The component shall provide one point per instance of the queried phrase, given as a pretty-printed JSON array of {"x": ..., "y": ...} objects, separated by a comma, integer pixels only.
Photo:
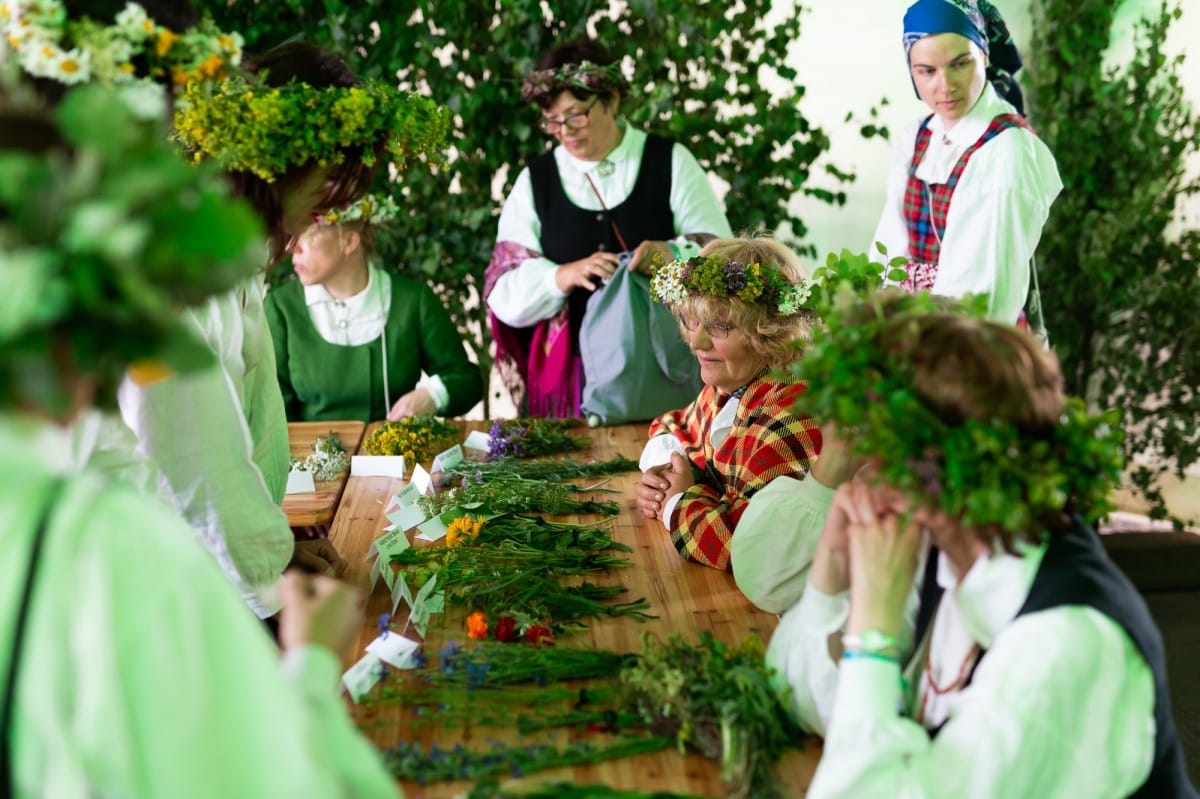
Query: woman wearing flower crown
[
  {"x": 604, "y": 190},
  {"x": 132, "y": 668},
  {"x": 352, "y": 340},
  {"x": 740, "y": 305},
  {"x": 967, "y": 588},
  {"x": 970, "y": 186}
]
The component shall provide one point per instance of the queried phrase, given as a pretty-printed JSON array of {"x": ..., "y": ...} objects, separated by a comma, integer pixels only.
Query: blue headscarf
[{"x": 981, "y": 23}]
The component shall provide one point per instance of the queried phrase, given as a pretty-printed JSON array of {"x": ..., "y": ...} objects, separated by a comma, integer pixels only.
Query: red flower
[
  {"x": 506, "y": 629},
  {"x": 539, "y": 635}
]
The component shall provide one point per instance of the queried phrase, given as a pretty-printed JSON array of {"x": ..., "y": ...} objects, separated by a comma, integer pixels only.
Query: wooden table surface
[
  {"x": 686, "y": 598},
  {"x": 316, "y": 508}
]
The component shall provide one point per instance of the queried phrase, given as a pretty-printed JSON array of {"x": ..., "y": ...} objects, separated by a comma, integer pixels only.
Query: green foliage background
[
  {"x": 1121, "y": 290},
  {"x": 682, "y": 58}
]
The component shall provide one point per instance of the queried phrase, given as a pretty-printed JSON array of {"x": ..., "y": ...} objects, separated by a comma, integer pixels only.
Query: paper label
[
  {"x": 377, "y": 466},
  {"x": 450, "y": 458},
  {"x": 407, "y": 518},
  {"x": 390, "y": 543},
  {"x": 478, "y": 440},
  {"x": 300, "y": 481},
  {"x": 394, "y": 649},
  {"x": 432, "y": 530},
  {"x": 422, "y": 480},
  {"x": 360, "y": 678},
  {"x": 407, "y": 496}
]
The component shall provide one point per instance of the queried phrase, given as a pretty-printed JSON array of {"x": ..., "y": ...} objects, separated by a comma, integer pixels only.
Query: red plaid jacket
[{"x": 767, "y": 441}]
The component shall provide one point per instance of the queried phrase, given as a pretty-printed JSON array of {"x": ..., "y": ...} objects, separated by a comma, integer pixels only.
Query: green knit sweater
[{"x": 324, "y": 381}]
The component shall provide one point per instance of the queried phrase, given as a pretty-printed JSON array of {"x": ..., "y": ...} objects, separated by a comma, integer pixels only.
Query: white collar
[
  {"x": 968, "y": 129},
  {"x": 993, "y": 590},
  {"x": 316, "y": 295},
  {"x": 621, "y": 152}
]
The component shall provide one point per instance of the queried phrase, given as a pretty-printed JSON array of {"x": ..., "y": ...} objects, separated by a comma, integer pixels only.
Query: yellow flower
[
  {"x": 166, "y": 40},
  {"x": 212, "y": 66},
  {"x": 463, "y": 530}
]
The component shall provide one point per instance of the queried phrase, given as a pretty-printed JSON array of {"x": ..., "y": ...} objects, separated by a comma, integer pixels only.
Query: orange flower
[
  {"x": 166, "y": 40},
  {"x": 477, "y": 626}
]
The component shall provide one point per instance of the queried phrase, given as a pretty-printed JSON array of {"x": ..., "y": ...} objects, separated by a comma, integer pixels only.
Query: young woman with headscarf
[{"x": 970, "y": 186}]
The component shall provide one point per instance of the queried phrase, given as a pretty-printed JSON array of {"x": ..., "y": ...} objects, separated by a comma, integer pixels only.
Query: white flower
[
  {"x": 131, "y": 21},
  {"x": 667, "y": 284},
  {"x": 792, "y": 298},
  {"x": 73, "y": 66},
  {"x": 145, "y": 99}
]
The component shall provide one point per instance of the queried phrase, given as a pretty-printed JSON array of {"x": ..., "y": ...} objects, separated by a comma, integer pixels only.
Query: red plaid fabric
[
  {"x": 926, "y": 205},
  {"x": 767, "y": 441}
]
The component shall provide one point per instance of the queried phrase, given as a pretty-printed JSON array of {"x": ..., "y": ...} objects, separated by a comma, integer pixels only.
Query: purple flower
[
  {"x": 735, "y": 277},
  {"x": 382, "y": 625}
]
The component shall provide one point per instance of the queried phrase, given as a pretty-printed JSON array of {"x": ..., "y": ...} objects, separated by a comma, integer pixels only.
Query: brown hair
[
  {"x": 772, "y": 337},
  {"x": 347, "y": 181},
  {"x": 964, "y": 368}
]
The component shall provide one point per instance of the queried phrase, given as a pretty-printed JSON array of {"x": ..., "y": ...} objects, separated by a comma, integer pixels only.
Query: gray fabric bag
[{"x": 636, "y": 364}]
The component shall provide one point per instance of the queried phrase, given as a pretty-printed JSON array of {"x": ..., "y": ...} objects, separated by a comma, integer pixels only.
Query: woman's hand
[
  {"x": 319, "y": 611},
  {"x": 414, "y": 403},
  {"x": 586, "y": 273},
  {"x": 317, "y": 556},
  {"x": 660, "y": 482},
  {"x": 883, "y": 549},
  {"x": 835, "y": 464},
  {"x": 642, "y": 257}
]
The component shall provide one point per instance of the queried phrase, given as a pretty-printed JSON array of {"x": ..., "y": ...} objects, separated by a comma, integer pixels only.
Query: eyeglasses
[
  {"x": 577, "y": 121},
  {"x": 717, "y": 331}
]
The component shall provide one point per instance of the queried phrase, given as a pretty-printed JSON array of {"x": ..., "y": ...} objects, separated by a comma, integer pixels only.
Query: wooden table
[
  {"x": 686, "y": 597},
  {"x": 304, "y": 510}
]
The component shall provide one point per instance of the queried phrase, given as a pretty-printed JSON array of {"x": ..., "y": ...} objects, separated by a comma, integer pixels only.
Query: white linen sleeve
[
  {"x": 526, "y": 295},
  {"x": 193, "y": 427},
  {"x": 1061, "y": 705},
  {"x": 892, "y": 230},
  {"x": 799, "y": 654},
  {"x": 658, "y": 451},
  {"x": 772, "y": 548},
  {"x": 995, "y": 220},
  {"x": 694, "y": 203}
]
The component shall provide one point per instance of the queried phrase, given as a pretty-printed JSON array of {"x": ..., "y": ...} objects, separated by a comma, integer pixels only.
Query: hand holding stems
[
  {"x": 417, "y": 402},
  {"x": 586, "y": 273},
  {"x": 319, "y": 611},
  {"x": 835, "y": 464},
  {"x": 660, "y": 482}
]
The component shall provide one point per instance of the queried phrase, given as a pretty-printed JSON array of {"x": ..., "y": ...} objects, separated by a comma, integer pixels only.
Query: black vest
[
  {"x": 570, "y": 232},
  {"x": 1076, "y": 571}
]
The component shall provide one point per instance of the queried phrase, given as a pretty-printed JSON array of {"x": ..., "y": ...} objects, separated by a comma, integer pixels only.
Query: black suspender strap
[{"x": 8, "y": 788}]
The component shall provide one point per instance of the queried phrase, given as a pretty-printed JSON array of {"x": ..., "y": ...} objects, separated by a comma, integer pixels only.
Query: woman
[
  {"x": 967, "y": 594},
  {"x": 352, "y": 340},
  {"x": 740, "y": 306},
  {"x": 132, "y": 669},
  {"x": 606, "y": 189},
  {"x": 970, "y": 186}
]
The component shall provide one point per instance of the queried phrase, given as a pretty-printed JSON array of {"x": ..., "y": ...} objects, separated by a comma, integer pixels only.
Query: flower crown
[
  {"x": 248, "y": 126},
  {"x": 989, "y": 473},
  {"x": 585, "y": 75},
  {"x": 718, "y": 277},
  {"x": 373, "y": 209},
  {"x": 48, "y": 44},
  {"x": 104, "y": 261}
]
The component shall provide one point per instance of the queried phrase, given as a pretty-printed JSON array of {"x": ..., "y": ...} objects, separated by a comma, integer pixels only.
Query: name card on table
[
  {"x": 406, "y": 496},
  {"x": 422, "y": 480},
  {"x": 394, "y": 649},
  {"x": 448, "y": 459},
  {"x": 407, "y": 517},
  {"x": 432, "y": 530},
  {"x": 377, "y": 466},
  {"x": 360, "y": 678},
  {"x": 478, "y": 440},
  {"x": 300, "y": 481}
]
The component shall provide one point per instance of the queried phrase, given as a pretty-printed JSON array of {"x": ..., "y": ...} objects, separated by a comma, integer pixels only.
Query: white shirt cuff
[
  {"x": 823, "y": 613},
  {"x": 868, "y": 688},
  {"x": 437, "y": 391},
  {"x": 668, "y": 508},
  {"x": 551, "y": 284},
  {"x": 658, "y": 451}
]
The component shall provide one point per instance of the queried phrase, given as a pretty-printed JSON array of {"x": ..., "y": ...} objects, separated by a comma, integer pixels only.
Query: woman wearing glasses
[
  {"x": 740, "y": 307},
  {"x": 605, "y": 189}
]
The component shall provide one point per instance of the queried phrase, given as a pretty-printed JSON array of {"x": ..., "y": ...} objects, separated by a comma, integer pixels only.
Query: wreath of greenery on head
[
  {"x": 48, "y": 44},
  {"x": 987, "y": 473},
  {"x": 247, "y": 126},
  {"x": 104, "y": 240},
  {"x": 372, "y": 209},
  {"x": 585, "y": 75},
  {"x": 765, "y": 285}
]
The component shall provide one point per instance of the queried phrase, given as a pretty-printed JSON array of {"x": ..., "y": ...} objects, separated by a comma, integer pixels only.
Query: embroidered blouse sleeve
[
  {"x": 524, "y": 292},
  {"x": 995, "y": 220},
  {"x": 697, "y": 211},
  {"x": 1062, "y": 705}
]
